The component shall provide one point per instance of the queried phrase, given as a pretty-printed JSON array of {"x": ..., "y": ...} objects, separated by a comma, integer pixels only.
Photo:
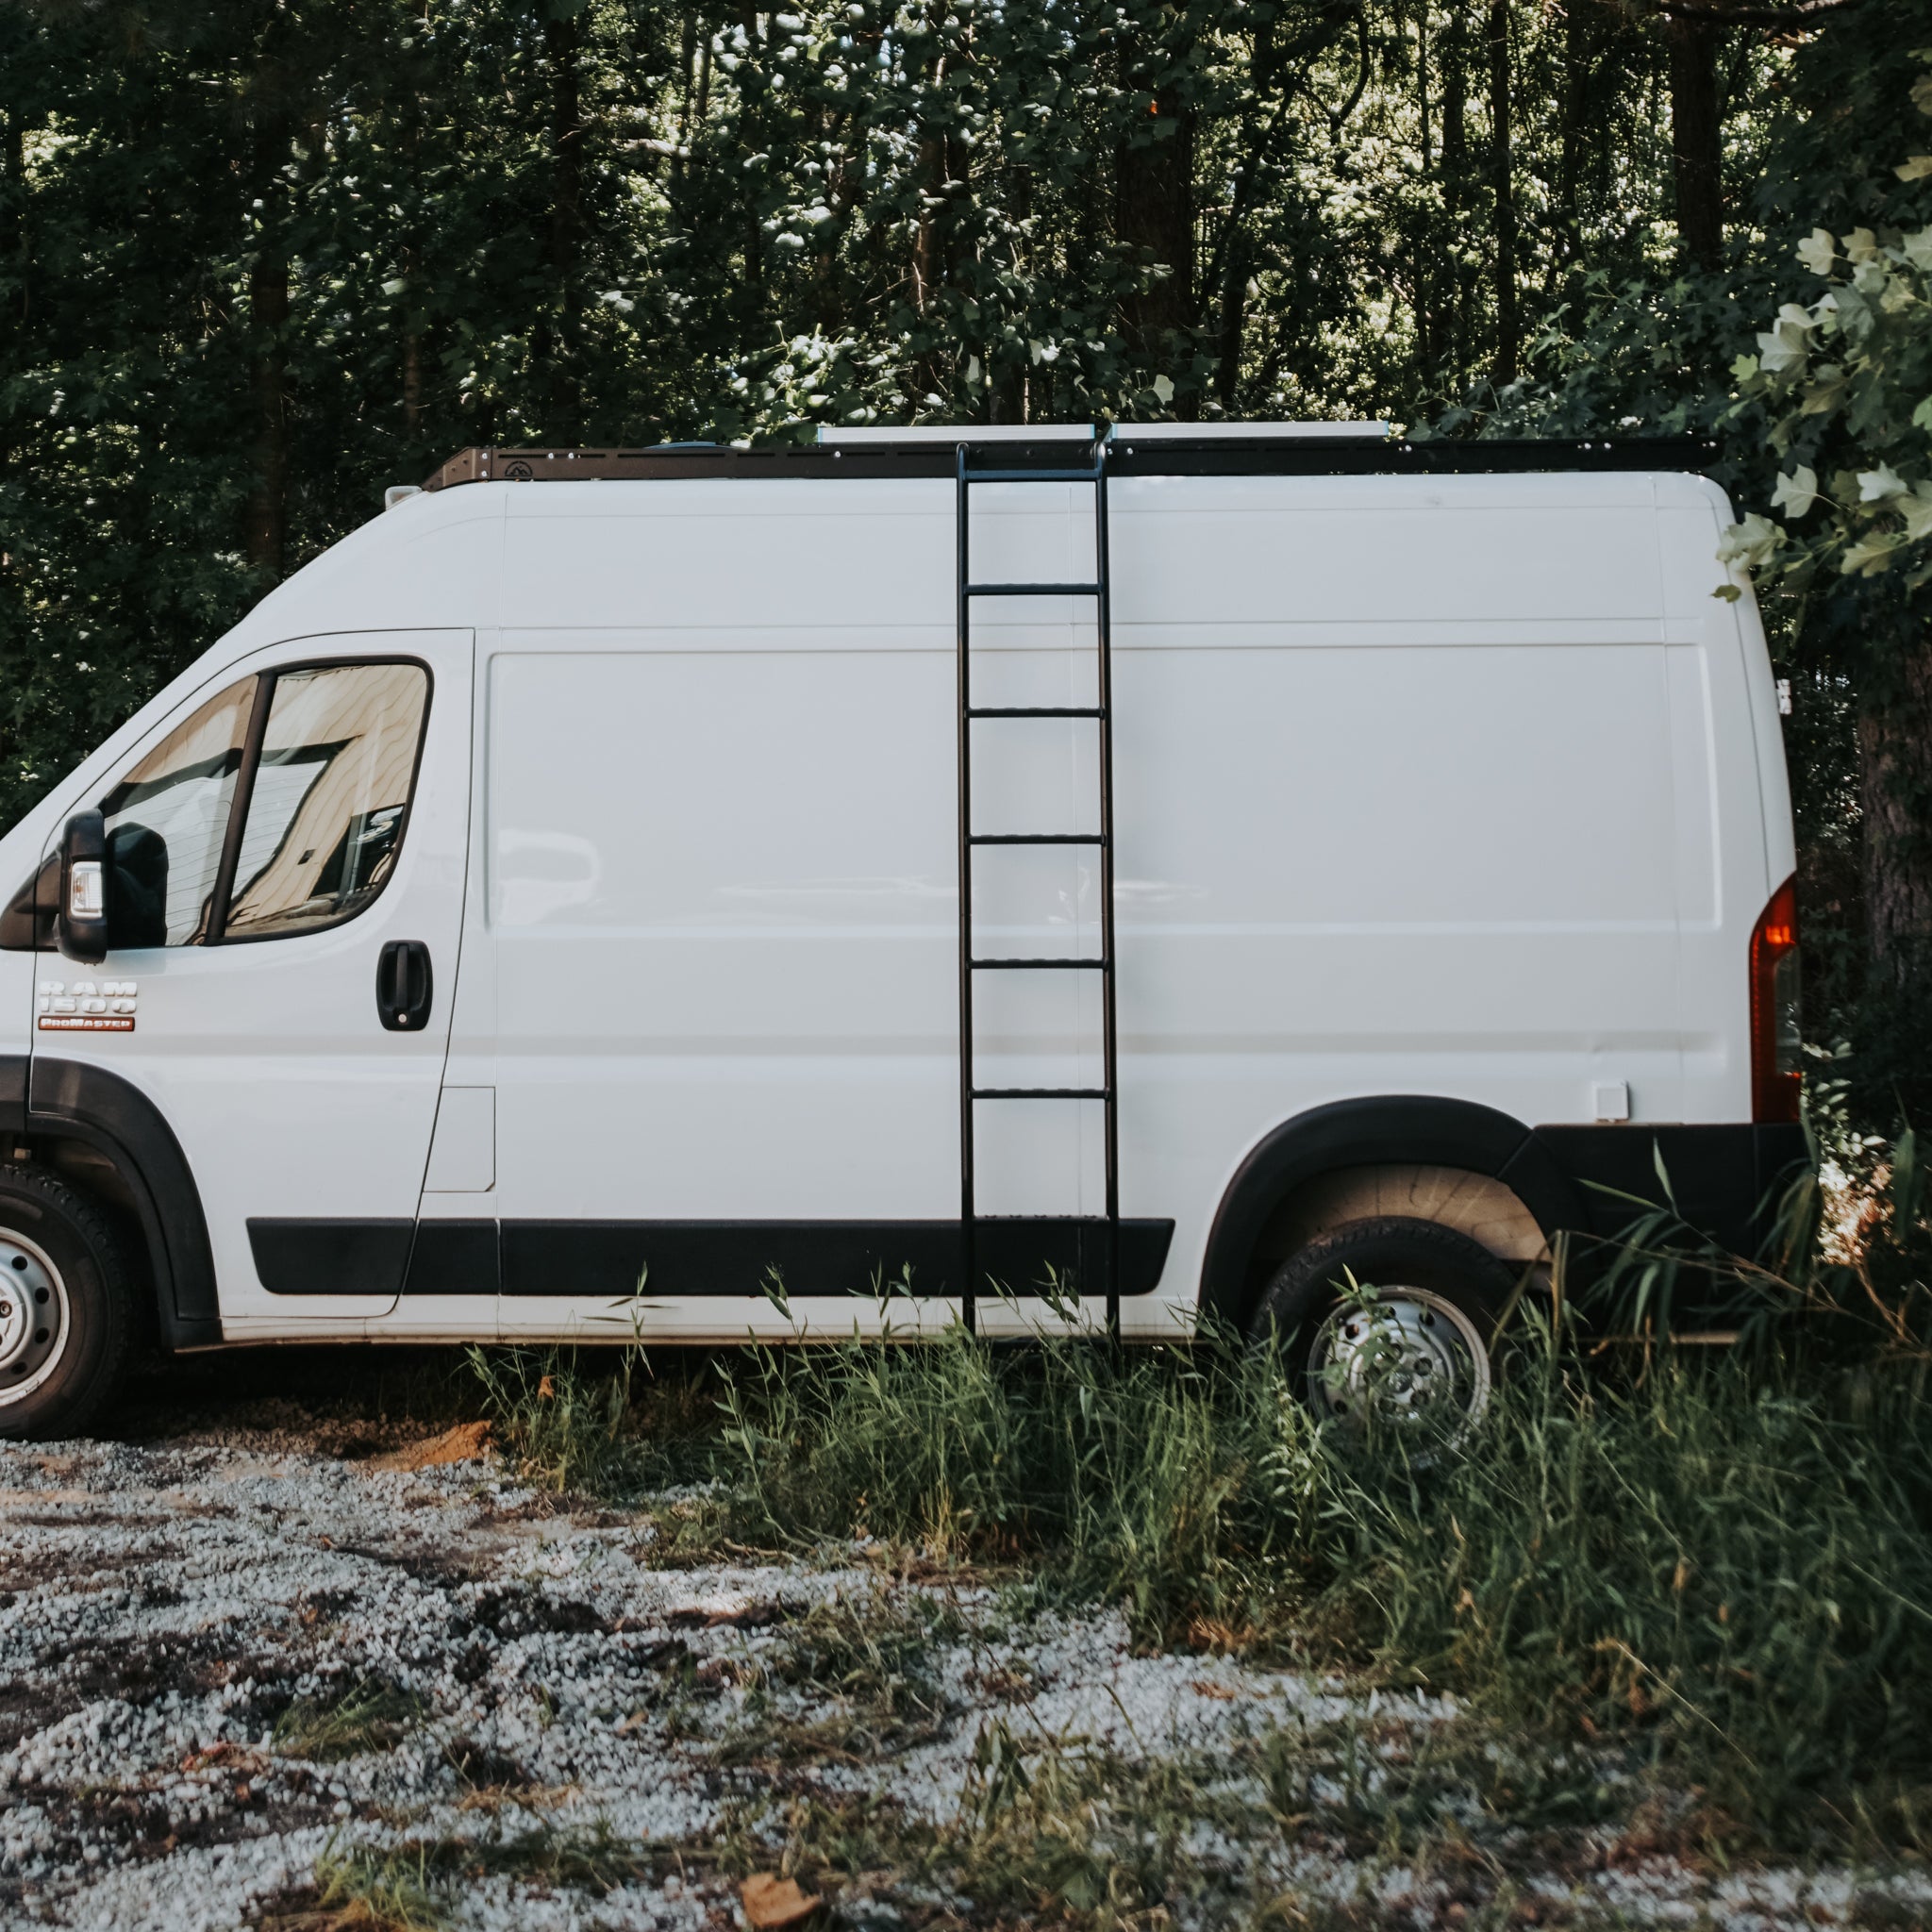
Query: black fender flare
[
  {"x": 77, "y": 1101},
  {"x": 1386, "y": 1130}
]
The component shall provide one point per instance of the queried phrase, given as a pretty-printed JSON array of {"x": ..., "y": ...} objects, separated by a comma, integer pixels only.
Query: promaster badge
[{"x": 88, "y": 1005}]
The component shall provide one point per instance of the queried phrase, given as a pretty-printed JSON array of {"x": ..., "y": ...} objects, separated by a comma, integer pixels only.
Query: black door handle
[{"x": 404, "y": 986}]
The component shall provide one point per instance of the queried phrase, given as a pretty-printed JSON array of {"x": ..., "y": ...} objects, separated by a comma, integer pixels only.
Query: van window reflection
[
  {"x": 330, "y": 798},
  {"x": 166, "y": 820}
]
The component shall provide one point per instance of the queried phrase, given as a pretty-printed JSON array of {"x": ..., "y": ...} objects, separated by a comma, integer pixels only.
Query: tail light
[{"x": 1775, "y": 1050}]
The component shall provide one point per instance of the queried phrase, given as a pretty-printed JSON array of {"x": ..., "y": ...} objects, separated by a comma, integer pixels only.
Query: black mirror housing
[{"x": 81, "y": 925}]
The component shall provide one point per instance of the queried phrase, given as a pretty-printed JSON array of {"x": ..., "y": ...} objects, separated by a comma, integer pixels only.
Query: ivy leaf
[
  {"x": 1783, "y": 350},
  {"x": 1752, "y": 544},
  {"x": 1825, "y": 395},
  {"x": 1871, "y": 554},
  {"x": 1796, "y": 493},
  {"x": 1918, "y": 513},
  {"x": 1915, "y": 168},
  {"x": 1817, "y": 251}
]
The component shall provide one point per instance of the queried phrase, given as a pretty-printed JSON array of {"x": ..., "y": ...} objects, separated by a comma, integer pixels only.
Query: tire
[
  {"x": 1412, "y": 1340},
  {"x": 66, "y": 1308}
]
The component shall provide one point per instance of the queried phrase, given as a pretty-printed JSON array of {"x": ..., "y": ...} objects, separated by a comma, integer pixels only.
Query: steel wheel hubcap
[
  {"x": 33, "y": 1317},
  {"x": 1401, "y": 1356}
]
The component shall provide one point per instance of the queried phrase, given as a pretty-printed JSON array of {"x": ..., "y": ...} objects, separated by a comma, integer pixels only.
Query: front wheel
[
  {"x": 1389, "y": 1324},
  {"x": 66, "y": 1308}
]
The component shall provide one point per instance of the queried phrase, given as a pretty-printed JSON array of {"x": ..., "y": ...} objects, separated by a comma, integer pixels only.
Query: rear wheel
[
  {"x": 1389, "y": 1324},
  {"x": 66, "y": 1306}
]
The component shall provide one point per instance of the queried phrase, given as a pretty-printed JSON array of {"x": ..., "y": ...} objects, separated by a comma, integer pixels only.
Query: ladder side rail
[
  {"x": 963, "y": 618},
  {"x": 1109, "y": 976}
]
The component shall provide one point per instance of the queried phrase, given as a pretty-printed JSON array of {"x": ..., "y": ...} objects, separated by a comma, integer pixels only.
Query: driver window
[
  {"x": 330, "y": 796},
  {"x": 166, "y": 820}
]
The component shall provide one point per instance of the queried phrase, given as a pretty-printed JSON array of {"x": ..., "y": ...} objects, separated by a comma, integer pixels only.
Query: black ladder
[{"x": 1101, "y": 712}]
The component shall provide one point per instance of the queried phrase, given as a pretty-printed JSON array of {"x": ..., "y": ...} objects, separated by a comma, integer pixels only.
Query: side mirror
[{"x": 81, "y": 926}]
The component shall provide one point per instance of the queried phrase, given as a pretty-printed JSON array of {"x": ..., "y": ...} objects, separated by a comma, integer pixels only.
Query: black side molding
[
  {"x": 330, "y": 1257},
  {"x": 608, "y": 1259},
  {"x": 453, "y": 1257},
  {"x": 1724, "y": 1177},
  {"x": 733, "y": 1258}
]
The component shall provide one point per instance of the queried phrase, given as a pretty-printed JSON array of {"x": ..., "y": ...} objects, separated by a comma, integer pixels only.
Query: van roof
[{"x": 1174, "y": 450}]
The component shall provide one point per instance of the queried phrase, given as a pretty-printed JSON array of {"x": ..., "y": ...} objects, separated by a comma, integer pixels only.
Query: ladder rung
[
  {"x": 1033, "y": 590},
  {"x": 1033, "y": 476},
  {"x": 1041, "y": 1093},
  {"x": 1036, "y": 711},
  {"x": 1031, "y": 965},
  {"x": 1037, "y": 839}
]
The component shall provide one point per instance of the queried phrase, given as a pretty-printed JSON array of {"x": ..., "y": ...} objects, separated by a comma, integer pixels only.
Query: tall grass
[{"x": 1718, "y": 1566}]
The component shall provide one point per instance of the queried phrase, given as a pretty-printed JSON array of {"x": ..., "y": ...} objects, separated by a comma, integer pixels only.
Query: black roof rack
[{"x": 1170, "y": 456}]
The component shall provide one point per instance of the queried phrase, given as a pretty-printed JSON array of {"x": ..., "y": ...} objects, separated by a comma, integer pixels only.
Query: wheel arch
[
  {"x": 1383, "y": 1130},
  {"x": 53, "y": 1100}
]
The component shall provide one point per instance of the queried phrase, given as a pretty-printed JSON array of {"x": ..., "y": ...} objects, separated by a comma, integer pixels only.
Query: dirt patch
[{"x": 466, "y": 1443}]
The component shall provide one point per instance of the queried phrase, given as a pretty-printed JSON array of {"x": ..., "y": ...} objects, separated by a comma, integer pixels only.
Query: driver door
[{"x": 285, "y": 875}]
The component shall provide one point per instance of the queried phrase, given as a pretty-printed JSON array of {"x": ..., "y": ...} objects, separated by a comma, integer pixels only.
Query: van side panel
[{"x": 1424, "y": 786}]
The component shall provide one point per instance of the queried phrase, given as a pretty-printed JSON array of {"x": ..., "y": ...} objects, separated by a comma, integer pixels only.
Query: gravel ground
[{"x": 231, "y": 1650}]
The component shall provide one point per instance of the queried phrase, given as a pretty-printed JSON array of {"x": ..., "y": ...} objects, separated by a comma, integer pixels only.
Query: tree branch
[{"x": 1801, "y": 14}]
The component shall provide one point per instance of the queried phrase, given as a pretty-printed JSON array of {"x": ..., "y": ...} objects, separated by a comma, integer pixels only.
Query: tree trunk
[
  {"x": 1154, "y": 209},
  {"x": 932, "y": 180},
  {"x": 687, "y": 61},
  {"x": 1426, "y": 349},
  {"x": 1455, "y": 68},
  {"x": 1503, "y": 173},
  {"x": 1896, "y": 795},
  {"x": 412, "y": 382},
  {"x": 562, "y": 45},
  {"x": 14, "y": 200},
  {"x": 13, "y": 251},
  {"x": 1579, "y": 109},
  {"x": 268, "y": 318},
  {"x": 1226, "y": 275},
  {"x": 1696, "y": 138}
]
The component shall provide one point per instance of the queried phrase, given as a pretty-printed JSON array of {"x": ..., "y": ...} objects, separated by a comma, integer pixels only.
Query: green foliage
[
  {"x": 1727, "y": 1566},
  {"x": 1849, "y": 381},
  {"x": 357, "y": 1715},
  {"x": 363, "y": 1891},
  {"x": 562, "y": 1429}
]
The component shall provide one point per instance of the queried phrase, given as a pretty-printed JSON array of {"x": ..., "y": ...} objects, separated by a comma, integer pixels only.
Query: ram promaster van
[{"x": 990, "y": 875}]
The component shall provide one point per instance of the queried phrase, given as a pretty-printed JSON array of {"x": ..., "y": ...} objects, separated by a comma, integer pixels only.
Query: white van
[{"x": 541, "y": 916}]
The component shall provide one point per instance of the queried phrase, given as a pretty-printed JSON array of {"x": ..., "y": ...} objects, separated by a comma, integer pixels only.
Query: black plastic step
[
  {"x": 1041, "y": 1093},
  {"x": 1036, "y": 711},
  {"x": 1032, "y": 965},
  {"x": 1037, "y": 839},
  {"x": 1032, "y": 589}
]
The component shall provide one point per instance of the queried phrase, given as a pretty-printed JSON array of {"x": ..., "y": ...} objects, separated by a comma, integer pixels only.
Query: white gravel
[{"x": 163, "y": 1602}]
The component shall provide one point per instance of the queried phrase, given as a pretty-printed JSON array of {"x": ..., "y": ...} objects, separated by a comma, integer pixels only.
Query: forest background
[{"x": 259, "y": 260}]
